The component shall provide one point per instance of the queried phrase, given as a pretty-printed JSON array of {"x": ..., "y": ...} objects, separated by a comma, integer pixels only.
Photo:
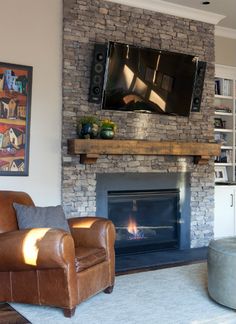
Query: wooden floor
[{"x": 8, "y": 315}]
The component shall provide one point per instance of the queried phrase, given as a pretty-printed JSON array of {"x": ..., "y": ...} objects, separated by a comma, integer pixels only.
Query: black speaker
[
  {"x": 97, "y": 73},
  {"x": 198, "y": 86}
]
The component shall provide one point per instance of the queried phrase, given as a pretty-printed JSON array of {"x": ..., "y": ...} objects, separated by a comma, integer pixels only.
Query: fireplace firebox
[
  {"x": 145, "y": 220},
  {"x": 155, "y": 206}
]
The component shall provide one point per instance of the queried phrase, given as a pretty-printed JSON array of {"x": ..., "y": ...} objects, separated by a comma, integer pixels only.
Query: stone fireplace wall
[{"x": 88, "y": 22}]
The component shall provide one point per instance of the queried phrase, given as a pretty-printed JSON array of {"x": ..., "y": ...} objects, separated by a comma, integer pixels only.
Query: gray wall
[
  {"x": 88, "y": 22},
  {"x": 225, "y": 51}
]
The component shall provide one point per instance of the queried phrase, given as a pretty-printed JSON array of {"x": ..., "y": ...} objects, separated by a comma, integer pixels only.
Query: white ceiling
[{"x": 222, "y": 7}]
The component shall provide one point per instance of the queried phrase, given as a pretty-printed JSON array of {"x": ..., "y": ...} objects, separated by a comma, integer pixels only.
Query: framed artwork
[
  {"x": 15, "y": 105},
  {"x": 218, "y": 123},
  {"x": 221, "y": 174}
]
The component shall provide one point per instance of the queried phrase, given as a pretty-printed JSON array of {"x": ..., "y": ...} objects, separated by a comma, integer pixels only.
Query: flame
[{"x": 132, "y": 226}]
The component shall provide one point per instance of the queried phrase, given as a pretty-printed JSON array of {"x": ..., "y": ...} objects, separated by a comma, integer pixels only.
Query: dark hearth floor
[{"x": 158, "y": 259}]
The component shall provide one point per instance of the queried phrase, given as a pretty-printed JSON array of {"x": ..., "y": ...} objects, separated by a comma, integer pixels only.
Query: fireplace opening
[{"x": 146, "y": 220}]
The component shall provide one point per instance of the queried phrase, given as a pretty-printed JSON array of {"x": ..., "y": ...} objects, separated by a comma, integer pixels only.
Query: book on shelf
[
  {"x": 223, "y": 87},
  {"x": 225, "y": 157}
]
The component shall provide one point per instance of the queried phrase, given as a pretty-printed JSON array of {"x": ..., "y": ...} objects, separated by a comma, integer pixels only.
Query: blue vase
[{"x": 89, "y": 131}]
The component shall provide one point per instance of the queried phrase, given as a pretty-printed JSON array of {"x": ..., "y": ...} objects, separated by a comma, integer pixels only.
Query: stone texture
[{"x": 88, "y": 22}]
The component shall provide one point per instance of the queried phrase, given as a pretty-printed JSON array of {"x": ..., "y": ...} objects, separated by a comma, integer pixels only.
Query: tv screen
[{"x": 147, "y": 80}]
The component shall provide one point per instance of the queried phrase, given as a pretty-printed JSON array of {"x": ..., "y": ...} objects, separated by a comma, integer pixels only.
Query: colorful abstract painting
[{"x": 15, "y": 102}]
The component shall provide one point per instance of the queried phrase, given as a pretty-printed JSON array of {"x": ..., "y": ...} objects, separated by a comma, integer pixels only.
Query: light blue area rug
[{"x": 167, "y": 296}]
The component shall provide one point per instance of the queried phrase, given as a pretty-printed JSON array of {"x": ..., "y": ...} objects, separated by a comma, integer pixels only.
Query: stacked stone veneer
[{"x": 88, "y": 22}]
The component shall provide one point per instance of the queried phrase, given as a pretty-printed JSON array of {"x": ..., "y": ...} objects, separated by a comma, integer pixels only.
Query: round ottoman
[{"x": 221, "y": 263}]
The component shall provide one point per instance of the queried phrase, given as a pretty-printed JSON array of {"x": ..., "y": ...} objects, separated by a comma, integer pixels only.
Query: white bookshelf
[{"x": 225, "y": 115}]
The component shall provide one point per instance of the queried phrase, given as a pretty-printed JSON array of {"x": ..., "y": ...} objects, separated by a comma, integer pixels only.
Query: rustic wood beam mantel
[{"x": 90, "y": 149}]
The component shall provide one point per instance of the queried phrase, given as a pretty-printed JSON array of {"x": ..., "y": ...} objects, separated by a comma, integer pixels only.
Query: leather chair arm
[
  {"x": 92, "y": 232},
  {"x": 39, "y": 248}
]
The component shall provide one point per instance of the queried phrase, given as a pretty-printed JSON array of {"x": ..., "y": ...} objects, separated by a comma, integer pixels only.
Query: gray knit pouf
[{"x": 222, "y": 271}]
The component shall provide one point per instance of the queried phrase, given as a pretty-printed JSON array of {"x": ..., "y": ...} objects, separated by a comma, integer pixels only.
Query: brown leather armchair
[{"x": 50, "y": 266}]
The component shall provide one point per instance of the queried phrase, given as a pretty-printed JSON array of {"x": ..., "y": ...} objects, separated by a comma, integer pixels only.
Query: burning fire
[
  {"x": 132, "y": 227},
  {"x": 135, "y": 233}
]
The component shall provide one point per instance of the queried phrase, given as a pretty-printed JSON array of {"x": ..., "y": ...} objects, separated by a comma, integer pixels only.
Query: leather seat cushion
[{"x": 87, "y": 257}]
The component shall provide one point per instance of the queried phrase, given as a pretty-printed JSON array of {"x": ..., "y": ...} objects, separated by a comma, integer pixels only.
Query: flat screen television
[{"x": 147, "y": 80}]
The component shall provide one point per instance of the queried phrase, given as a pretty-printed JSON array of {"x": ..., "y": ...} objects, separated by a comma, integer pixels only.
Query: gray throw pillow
[{"x": 32, "y": 217}]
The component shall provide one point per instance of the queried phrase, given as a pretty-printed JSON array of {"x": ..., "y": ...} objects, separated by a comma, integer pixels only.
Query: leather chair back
[{"x": 8, "y": 220}]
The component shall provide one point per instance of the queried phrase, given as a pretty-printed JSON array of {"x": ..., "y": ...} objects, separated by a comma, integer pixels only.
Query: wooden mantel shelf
[{"x": 90, "y": 149}]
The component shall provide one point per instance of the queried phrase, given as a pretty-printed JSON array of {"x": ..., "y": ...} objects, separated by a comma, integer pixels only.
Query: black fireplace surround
[
  {"x": 144, "y": 220},
  {"x": 151, "y": 211}
]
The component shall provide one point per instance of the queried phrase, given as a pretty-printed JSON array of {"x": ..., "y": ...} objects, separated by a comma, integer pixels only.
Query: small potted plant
[
  {"x": 88, "y": 127},
  {"x": 108, "y": 128}
]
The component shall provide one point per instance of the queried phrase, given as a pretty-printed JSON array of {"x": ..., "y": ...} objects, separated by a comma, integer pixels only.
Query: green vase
[{"x": 107, "y": 133}]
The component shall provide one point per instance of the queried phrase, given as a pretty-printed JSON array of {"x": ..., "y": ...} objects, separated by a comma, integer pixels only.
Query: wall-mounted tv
[{"x": 147, "y": 80}]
